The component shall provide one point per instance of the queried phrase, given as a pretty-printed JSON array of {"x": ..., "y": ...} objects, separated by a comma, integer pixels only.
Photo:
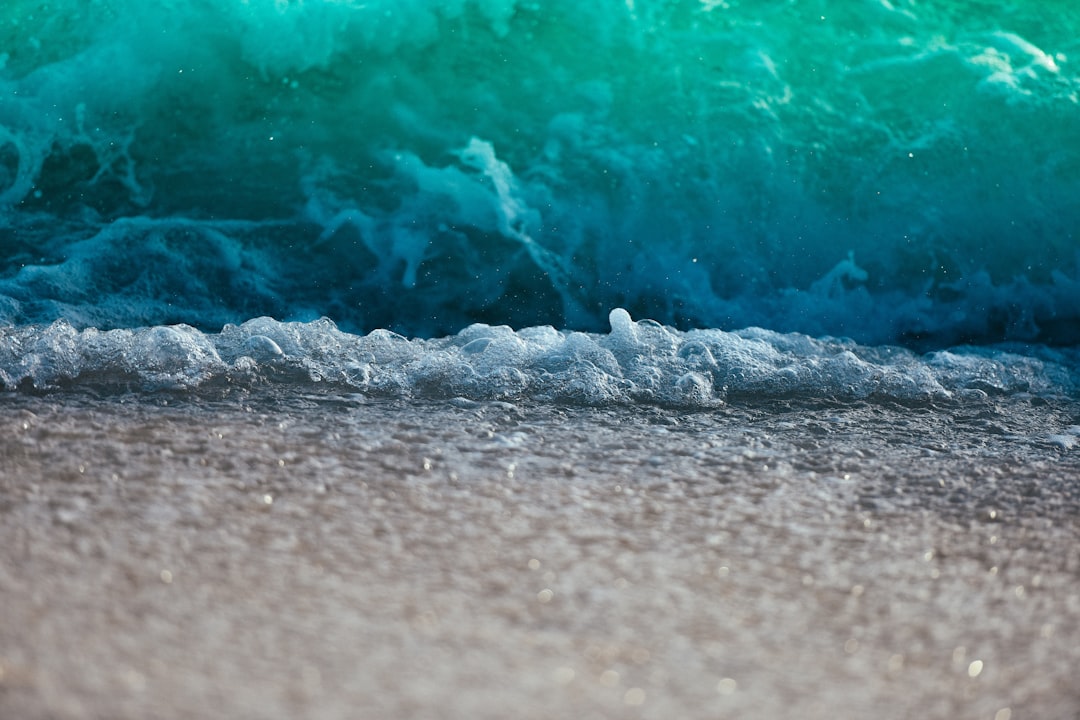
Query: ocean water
[
  {"x": 893, "y": 172},
  {"x": 417, "y": 295}
]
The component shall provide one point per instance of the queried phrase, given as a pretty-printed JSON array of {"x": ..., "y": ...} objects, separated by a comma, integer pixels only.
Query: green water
[{"x": 704, "y": 163}]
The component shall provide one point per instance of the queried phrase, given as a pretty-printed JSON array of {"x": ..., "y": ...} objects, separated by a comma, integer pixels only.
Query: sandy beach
[{"x": 334, "y": 557}]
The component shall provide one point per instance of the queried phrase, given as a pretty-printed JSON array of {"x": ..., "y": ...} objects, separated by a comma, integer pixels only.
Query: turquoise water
[
  {"x": 891, "y": 172},
  {"x": 605, "y": 358}
]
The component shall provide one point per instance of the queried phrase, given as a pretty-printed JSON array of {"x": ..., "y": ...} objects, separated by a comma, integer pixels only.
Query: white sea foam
[{"x": 636, "y": 362}]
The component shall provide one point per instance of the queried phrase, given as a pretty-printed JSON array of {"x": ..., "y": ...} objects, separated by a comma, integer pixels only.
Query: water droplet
[{"x": 609, "y": 678}]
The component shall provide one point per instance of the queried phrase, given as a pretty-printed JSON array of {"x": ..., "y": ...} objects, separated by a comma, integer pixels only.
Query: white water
[{"x": 636, "y": 362}]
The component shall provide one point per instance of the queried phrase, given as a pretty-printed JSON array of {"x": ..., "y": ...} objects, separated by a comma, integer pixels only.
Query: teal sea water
[
  {"x": 474, "y": 359},
  {"x": 894, "y": 172}
]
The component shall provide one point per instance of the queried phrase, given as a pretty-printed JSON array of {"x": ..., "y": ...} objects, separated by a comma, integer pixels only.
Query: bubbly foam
[{"x": 635, "y": 362}]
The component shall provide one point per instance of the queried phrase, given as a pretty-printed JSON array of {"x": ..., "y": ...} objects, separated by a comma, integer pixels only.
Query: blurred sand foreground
[{"x": 335, "y": 557}]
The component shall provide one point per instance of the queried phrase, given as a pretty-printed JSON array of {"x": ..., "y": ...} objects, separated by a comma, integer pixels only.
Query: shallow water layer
[{"x": 325, "y": 555}]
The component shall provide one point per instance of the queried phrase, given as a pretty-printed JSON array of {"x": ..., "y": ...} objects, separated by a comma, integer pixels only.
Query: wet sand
[{"x": 333, "y": 557}]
